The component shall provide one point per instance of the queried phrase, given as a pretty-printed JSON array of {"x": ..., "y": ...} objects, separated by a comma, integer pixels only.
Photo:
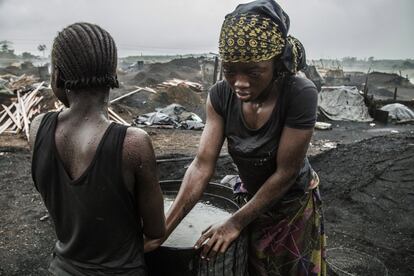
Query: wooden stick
[
  {"x": 36, "y": 103},
  {"x": 32, "y": 103},
  {"x": 110, "y": 111},
  {"x": 5, "y": 125},
  {"x": 148, "y": 89},
  {"x": 26, "y": 121},
  {"x": 30, "y": 95},
  {"x": 18, "y": 112},
  {"x": 126, "y": 95},
  {"x": 28, "y": 99},
  {"x": 13, "y": 128},
  {"x": 33, "y": 112},
  {"x": 3, "y": 116},
  {"x": 14, "y": 113},
  {"x": 139, "y": 89},
  {"x": 112, "y": 118},
  {"x": 11, "y": 115}
]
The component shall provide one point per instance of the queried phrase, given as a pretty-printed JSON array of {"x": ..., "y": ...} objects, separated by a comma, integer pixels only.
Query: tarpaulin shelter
[{"x": 343, "y": 103}]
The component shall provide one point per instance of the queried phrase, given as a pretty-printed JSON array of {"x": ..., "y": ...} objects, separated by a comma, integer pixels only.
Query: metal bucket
[{"x": 184, "y": 261}]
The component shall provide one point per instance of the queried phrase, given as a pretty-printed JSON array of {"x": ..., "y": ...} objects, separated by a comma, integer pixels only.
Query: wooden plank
[
  {"x": 11, "y": 115},
  {"x": 3, "y": 116},
  {"x": 36, "y": 102},
  {"x": 148, "y": 89},
  {"x": 139, "y": 89},
  {"x": 19, "y": 119},
  {"x": 27, "y": 97},
  {"x": 5, "y": 125},
  {"x": 13, "y": 128},
  {"x": 117, "y": 116},
  {"x": 112, "y": 118},
  {"x": 126, "y": 95},
  {"x": 111, "y": 112},
  {"x": 25, "y": 119},
  {"x": 32, "y": 103},
  {"x": 11, "y": 131}
]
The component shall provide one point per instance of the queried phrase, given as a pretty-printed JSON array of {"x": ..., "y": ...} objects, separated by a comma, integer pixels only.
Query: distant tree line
[{"x": 7, "y": 52}]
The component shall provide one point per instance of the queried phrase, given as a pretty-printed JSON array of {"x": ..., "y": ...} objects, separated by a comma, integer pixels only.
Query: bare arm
[
  {"x": 140, "y": 157},
  {"x": 292, "y": 150},
  {"x": 200, "y": 171},
  {"x": 197, "y": 175}
]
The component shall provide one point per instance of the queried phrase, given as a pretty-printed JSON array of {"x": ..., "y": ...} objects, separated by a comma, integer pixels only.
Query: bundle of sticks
[
  {"x": 113, "y": 116},
  {"x": 16, "y": 117}
]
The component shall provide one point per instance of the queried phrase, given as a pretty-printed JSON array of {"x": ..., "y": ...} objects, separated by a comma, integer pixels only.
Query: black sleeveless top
[
  {"x": 254, "y": 150},
  {"x": 96, "y": 221}
]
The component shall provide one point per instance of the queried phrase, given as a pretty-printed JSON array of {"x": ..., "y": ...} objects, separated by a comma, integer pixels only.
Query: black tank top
[{"x": 96, "y": 221}]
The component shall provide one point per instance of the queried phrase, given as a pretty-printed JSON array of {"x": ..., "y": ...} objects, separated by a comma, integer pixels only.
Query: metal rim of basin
[
  {"x": 340, "y": 258},
  {"x": 216, "y": 190}
]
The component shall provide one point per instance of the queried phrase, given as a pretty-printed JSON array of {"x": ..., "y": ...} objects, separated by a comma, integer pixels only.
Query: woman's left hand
[{"x": 218, "y": 237}]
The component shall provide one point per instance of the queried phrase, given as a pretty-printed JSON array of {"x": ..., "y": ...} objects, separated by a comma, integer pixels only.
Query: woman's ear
[{"x": 58, "y": 87}]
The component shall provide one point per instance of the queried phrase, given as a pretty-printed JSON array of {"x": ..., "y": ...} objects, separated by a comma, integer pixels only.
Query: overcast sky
[{"x": 327, "y": 28}]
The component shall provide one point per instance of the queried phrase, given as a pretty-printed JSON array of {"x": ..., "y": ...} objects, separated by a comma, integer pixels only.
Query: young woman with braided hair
[
  {"x": 267, "y": 114},
  {"x": 97, "y": 178}
]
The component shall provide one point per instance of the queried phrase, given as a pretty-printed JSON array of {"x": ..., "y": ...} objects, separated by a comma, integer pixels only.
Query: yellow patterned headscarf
[{"x": 250, "y": 38}]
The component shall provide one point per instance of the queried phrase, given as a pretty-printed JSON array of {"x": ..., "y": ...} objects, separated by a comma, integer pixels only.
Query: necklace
[{"x": 258, "y": 105}]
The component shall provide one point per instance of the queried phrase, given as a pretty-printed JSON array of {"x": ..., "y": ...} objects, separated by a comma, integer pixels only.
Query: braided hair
[{"x": 86, "y": 57}]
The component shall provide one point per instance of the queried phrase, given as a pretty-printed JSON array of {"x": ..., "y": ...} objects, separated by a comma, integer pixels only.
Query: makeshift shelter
[
  {"x": 173, "y": 115},
  {"x": 399, "y": 112},
  {"x": 343, "y": 103}
]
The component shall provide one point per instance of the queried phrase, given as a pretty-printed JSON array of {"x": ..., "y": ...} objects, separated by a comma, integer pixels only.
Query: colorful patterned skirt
[{"x": 289, "y": 239}]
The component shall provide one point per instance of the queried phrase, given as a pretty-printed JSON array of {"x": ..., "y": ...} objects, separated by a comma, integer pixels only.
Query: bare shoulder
[
  {"x": 136, "y": 137},
  {"x": 34, "y": 127},
  {"x": 137, "y": 146}
]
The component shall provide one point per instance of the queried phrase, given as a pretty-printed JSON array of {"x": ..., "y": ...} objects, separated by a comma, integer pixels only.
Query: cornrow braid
[{"x": 86, "y": 57}]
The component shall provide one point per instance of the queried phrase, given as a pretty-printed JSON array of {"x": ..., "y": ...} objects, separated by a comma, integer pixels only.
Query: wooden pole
[
  {"x": 139, "y": 89},
  {"x": 25, "y": 119},
  {"x": 395, "y": 93},
  {"x": 215, "y": 70},
  {"x": 221, "y": 70},
  {"x": 126, "y": 95}
]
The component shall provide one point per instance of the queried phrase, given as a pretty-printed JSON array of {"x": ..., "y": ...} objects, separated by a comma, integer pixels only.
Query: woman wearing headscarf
[{"x": 267, "y": 114}]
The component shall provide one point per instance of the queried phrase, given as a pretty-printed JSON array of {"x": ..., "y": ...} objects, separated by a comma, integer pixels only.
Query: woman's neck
[
  {"x": 91, "y": 103},
  {"x": 269, "y": 95}
]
